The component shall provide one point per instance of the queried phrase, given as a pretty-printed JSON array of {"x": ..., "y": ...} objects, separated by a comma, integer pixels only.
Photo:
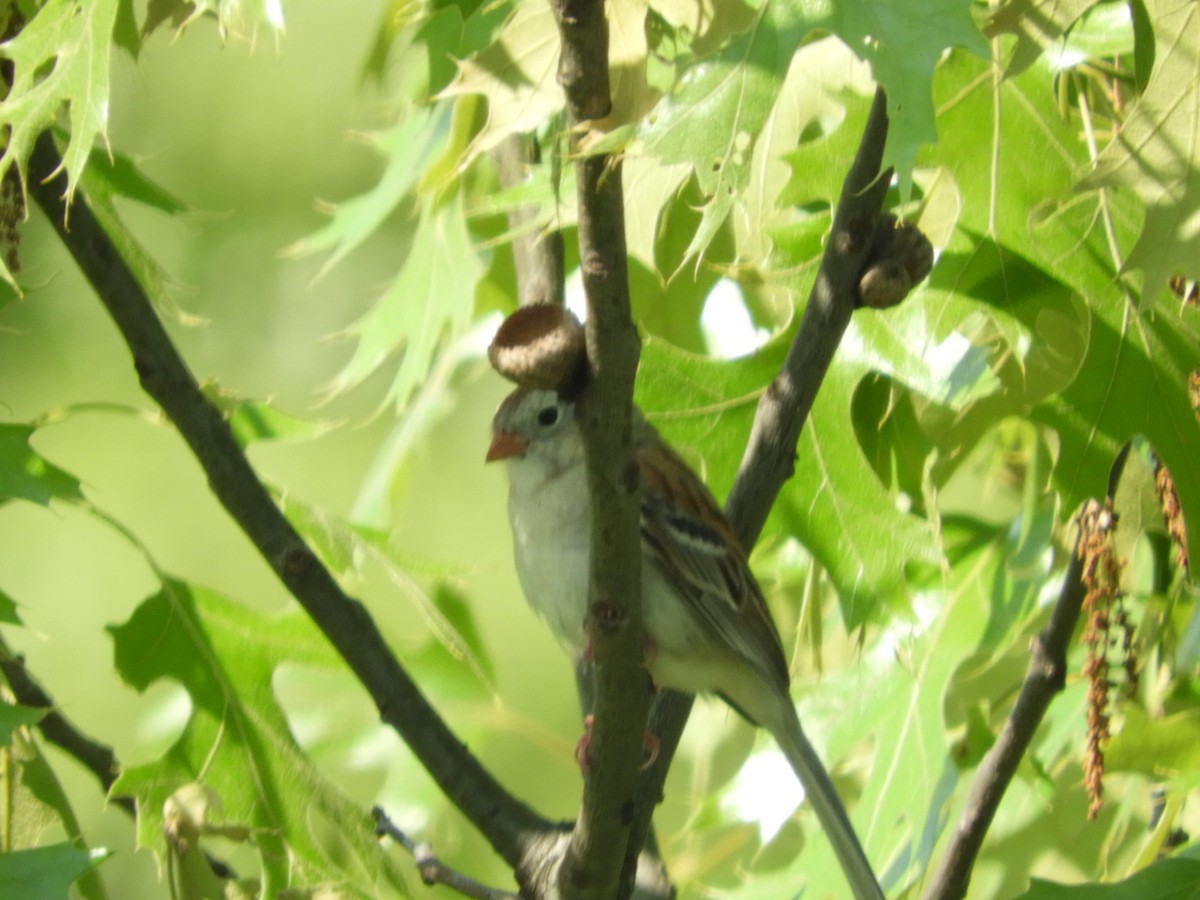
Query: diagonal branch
[
  {"x": 508, "y": 824},
  {"x": 770, "y": 455},
  {"x": 784, "y": 407},
  {"x": 1044, "y": 679}
]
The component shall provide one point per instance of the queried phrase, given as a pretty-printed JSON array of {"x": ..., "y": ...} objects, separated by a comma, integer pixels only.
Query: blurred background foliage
[{"x": 306, "y": 190}]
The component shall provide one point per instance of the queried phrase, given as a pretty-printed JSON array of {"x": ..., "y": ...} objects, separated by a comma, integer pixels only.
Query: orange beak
[{"x": 505, "y": 446}]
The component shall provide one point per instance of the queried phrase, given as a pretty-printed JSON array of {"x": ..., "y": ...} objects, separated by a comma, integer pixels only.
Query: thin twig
[
  {"x": 433, "y": 870},
  {"x": 1044, "y": 678},
  {"x": 57, "y": 729},
  {"x": 97, "y": 758},
  {"x": 507, "y": 823}
]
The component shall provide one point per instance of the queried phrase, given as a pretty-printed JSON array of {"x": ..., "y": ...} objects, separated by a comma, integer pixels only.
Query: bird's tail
[{"x": 823, "y": 796}]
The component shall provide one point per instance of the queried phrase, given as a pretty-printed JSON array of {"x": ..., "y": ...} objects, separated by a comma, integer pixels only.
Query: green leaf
[
  {"x": 237, "y": 742},
  {"x": 714, "y": 116},
  {"x": 459, "y": 668},
  {"x": 45, "y": 873},
  {"x": 409, "y": 148},
  {"x": 239, "y": 18},
  {"x": 1125, "y": 366},
  {"x": 904, "y": 41},
  {"x": 898, "y": 712},
  {"x": 1132, "y": 382},
  {"x": 454, "y": 32},
  {"x": 35, "y": 800},
  {"x": 839, "y": 508},
  {"x": 1168, "y": 879},
  {"x": 109, "y": 176},
  {"x": 117, "y": 175},
  {"x": 1158, "y": 747},
  {"x": 834, "y": 503},
  {"x": 60, "y": 58},
  {"x": 1156, "y": 153},
  {"x": 428, "y": 305},
  {"x": 39, "y": 801},
  {"x": 516, "y": 73},
  {"x": 13, "y": 717},
  {"x": 258, "y": 420},
  {"x": 1037, "y": 24},
  {"x": 349, "y": 548},
  {"x": 8, "y": 610},
  {"x": 125, "y": 30},
  {"x": 26, "y": 475}
]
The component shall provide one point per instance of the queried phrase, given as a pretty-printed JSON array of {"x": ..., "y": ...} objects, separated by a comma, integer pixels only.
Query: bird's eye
[{"x": 547, "y": 416}]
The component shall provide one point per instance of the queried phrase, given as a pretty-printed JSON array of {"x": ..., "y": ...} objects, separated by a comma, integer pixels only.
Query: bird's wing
[{"x": 689, "y": 541}]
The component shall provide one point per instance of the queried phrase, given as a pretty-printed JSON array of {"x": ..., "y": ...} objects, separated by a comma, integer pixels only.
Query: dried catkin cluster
[
  {"x": 1172, "y": 512},
  {"x": 1108, "y": 633}
]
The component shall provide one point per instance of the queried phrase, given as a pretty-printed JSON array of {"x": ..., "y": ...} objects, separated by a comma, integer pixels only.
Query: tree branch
[
  {"x": 508, "y": 824},
  {"x": 1044, "y": 678},
  {"x": 770, "y": 455},
  {"x": 537, "y": 257},
  {"x": 591, "y": 864},
  {"x": 97, "y": 758}
]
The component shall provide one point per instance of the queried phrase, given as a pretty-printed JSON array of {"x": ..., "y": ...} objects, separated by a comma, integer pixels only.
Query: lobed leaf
[
  {"x": 60, "y": 58},
  {"x": 1156, "y": 153},
  {"x": 429, "y": 303},
  {"x": 237, "y": 743},
  {"x": 408, "y": 148},
  {"x": 27, "y": 475}
]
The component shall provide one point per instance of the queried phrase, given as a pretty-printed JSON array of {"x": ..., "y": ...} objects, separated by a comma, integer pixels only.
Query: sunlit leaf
[
  {"x": 908, "y": 773},
  {"x": 713, "y": 117},
  {"x": 1159, "y": 747},
  {"x": 349, "y": 549},
  {"x": 1127, "y": 366},
  {"x": 107, "y": 177},
  {"x": 408, "y": 148},
  {"x": 428, "y": 304},
  {"x": 834, "y": 503},
  {"x": 1156, "y": 153},
  {"x": 904, "y": 42},
  {"x": 237, "y": 742},
  {"x": 259, "y": 420},
  {"x": 1037, "y": 24},
  {"x": 237, "y": 18},
  {"x": 1133, "y": 382},
  {"x": 516, "y": 75},
  {"x": 60, "y": 58},
  {"x": 35, "y": 801}
]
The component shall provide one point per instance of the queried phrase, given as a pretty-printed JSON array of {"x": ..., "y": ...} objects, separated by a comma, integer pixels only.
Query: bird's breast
[{"x": 551, "y": 524}]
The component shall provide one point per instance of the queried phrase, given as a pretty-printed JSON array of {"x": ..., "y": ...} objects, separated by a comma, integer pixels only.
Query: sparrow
[{"x": 707, "y": 625}]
